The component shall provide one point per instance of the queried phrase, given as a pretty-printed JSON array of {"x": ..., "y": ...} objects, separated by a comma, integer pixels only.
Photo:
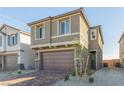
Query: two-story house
[
  {"x": 60, "y": 41},
  {"x": 15, "y": 51},
  {"x": 121, "y": 50},
  {"x": 96, "y": 46}
]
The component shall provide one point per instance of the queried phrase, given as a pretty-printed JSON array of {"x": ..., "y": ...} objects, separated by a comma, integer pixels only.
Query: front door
[{"x": 93, "y": 60}]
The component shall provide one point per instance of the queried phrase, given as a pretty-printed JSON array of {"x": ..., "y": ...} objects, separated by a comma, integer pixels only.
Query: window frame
[
  {"x": 91, "y": 35},
  {"x": 65, "y": 32},
  {"x": 12, "y": 41},
  {"x": 43, "y": 32}
]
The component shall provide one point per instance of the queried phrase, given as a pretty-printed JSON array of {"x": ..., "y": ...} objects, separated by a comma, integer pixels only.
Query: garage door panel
[
  {"x": 11, "y": 63},
  {"x": 60, "y": 60}
]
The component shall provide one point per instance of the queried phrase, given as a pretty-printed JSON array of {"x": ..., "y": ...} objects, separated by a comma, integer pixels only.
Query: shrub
[
  {"x": 19, "y": 71},
  {"x": 91, "y": 79},
  {"x": 66, "y": 77},
  {"x": 73, "y": 72}
]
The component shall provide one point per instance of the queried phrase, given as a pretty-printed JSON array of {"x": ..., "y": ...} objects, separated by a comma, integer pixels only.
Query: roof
[
  {"x": 80, "y": 10},
  {"x": 4, "y": 25},
  {"x": 121, "y": 37},
  {"x": 100, "y": 31}
]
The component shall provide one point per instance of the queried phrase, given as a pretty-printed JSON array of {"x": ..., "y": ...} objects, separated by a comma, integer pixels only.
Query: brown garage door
[
  {"x": 11, "y": 62},
  {"x": 59, "y": 60}
]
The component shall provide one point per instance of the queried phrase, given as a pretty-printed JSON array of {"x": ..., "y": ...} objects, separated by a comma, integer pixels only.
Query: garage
[
  {"x": 11, "y": 62},
  {"x": 105, "y": 65},
  {"x": 118, "y": 65},
  {"x": 58, "y": 60}
]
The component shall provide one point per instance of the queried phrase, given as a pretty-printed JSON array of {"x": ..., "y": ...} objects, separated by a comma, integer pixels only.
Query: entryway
[{"x": 93, "y": 60}]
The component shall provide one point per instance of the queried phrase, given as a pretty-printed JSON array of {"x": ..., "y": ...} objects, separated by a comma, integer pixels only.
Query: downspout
[{"x": 50, "y": 30}]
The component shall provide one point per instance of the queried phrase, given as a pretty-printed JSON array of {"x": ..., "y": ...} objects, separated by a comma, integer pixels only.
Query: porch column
[
  {"x": 37, "y": 61},
  {"x": 2, "y": 63},
  {"x": 19, "y": 59}
]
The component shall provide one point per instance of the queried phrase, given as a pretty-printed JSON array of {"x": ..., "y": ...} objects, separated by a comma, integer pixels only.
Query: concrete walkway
[{"x": 103, "y": 77}]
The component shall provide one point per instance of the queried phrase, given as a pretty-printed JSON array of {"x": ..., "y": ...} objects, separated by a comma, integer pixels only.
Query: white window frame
[
  {"x": 65, "y": 27},
  {"x": 92, "y": 36},
  {"x": 11, "y": 40},
  {"x": 43, "y": 33}
]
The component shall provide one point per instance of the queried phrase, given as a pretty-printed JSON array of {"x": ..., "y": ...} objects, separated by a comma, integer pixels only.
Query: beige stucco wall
[
  {"x": 97, "y": 45},
  {"x": 54, "y": 28},
  {"x": 84, "y": 31},
  {"x": 47, "y": 34},
  {"x": 51, "y": 32}
]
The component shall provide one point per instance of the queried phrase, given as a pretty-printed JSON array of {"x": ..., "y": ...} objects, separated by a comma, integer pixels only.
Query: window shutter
[
  {"x": 16, "y": 39},
  {"x": 0, "y": 40},
  {"x": 8, "y": 40},
  {"x": 41, "y": 33}
]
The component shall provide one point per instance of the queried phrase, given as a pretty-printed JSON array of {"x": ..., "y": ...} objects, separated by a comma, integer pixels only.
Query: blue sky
[{"x": 111, "y": 19}]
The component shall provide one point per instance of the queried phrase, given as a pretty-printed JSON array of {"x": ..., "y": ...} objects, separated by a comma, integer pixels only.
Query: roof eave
[
  {"x": 80, "y": 10},
  {"x": 121, "y": 38}
]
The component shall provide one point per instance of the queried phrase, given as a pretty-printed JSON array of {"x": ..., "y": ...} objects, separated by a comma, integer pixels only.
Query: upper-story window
[
  {"x": 0, "y": 39},
  {"x": 65, "y": 27},
  {"x": 12, "y": 39},
  {"x": 40, "y": 33},
  {"x": 93, "y": 35}
]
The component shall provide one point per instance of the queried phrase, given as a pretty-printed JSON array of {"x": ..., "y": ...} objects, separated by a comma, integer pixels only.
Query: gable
[{"x": 8, "y": 30}]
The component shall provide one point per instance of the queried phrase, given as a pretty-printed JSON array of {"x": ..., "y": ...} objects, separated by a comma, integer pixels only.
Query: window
[
  {"x": 93, "y": 35},
  {"x": 0, "y": 39},
  {"x": 12, "y": 39},
  {"x": 65, "y": 27},
  {"x": 40, "y": 33}
]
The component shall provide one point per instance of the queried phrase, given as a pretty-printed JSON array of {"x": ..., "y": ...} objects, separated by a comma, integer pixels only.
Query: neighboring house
[
  {"x": 61, "y": 41},
  {"x": 15, "y": 51},
  {"x": 121, "y": 49},
  {"x": 112, "y": 63}
]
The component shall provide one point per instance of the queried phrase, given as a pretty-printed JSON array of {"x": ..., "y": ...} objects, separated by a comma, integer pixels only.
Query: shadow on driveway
[{"x": 42, "y": 78}]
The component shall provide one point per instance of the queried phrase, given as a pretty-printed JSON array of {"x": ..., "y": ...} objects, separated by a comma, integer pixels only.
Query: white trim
[
  {"x": 57, "y": 27},
  {"x": 55, "y": 44},
  {"x": 65, "y": 27},
  {"x": 55, "y": 49},
  {"x": 96, "y": 56},
  {"x": 77, "y": 33},
  {"x": 43, "y": 32},
  {"x": 9, "y": 53}
]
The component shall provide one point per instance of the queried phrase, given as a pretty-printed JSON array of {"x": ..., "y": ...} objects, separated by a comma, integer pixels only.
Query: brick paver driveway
[
  {"x": 41, "y": 78},
  {"x": 103, "y": 77}
]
